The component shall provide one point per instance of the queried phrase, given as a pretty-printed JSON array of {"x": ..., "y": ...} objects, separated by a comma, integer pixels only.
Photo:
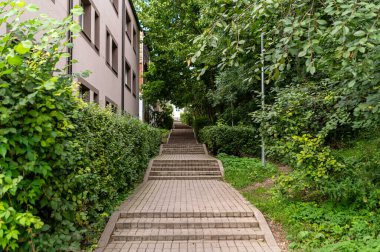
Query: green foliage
[
  {"x": 171, "y": 26},
  {"x": 162, "y": 118},
  {"x": 237, "y": 140},
  {"x": 320, "y": 226},
  {"x": 303, "y": 109},
  {"x": 310, "y": 226},
  {"x": 36, "y": 112},
  {"x": 363, "y": 158},
  {"x": 111, "y": 154},
  {"x": 314, "y": 169},
  {"x": 346, "y": 175},
  {"x": 242, "y": 172},
  {"x": 334, "y": 42},
  {"x": 199, "y": 123},
  {"x": 62, "y": 165},
  {"x": 186, "y": 118}
]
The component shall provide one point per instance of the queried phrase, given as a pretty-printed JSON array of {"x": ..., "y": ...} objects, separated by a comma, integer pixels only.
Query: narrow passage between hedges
[{"x": 183, "y": 205}]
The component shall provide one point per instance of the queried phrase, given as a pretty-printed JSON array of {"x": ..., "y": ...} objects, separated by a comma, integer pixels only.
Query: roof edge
[{"x": 134, "y": 13}]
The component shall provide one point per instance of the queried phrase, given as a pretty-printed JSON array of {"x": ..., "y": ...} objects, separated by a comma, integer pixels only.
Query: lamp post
[{"x": 263, "y": 160}]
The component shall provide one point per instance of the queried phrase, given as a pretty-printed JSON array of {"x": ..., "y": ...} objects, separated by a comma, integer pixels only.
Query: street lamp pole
[{"x": 263, "y": 160}]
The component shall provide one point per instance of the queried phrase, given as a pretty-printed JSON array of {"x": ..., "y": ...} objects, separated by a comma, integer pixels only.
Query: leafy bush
[
  {"x": 163, "y": 118},
  {"x": 242, "y": 172},
  {"x": 62, "y": 165},
  {"x": 199, "y": 123},
  {"x": 348, "y": 175},
  {"x": 324, "y": 226},
  {"x": 36, "y": 129},
  {"x": 111, "y": 153},
  {"x": 310, "y": 226},
  {"x": 363, "y": 158},
  {"x": 314, "y": 167},
  {"x": 186, "y": 118},
  {"x": 237, "y": 140}
]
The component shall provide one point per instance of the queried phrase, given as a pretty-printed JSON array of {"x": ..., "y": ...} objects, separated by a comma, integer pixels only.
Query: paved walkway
[{"x": 183, "y": 205}]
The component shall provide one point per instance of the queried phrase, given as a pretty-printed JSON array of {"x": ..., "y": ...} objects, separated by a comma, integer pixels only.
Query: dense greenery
[
  {"x": 109, "y": 156},
  {"x": 63, "y": 165},
  {"x": 163, "y": 117},
  {"x": 242, "y": 172},
  {"x": 310, "y": 226},
  {"x": 237, "y": 140},
  {"x": 322, "y": 90}
]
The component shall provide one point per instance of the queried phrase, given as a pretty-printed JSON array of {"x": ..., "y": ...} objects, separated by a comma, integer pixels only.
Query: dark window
[
  {"x": 128, "y": 25},
  {"x": 128, "y": 75},
  {"x": 97, "y": 31},
  {"x": 115, "y": 57},
  {"x": 85, "y": 18},
  {"x": 108, "y": 49},
  {"x": 134, "y": 81},
  {"x": 84, "y": 93},
  {"x": 112, "y": 105},
  {"x": 145, "y": 67},
  {"x": 96, "y": 98},
  {"x": 115, "y": 4},
  {"x": 135, "y": 40}
]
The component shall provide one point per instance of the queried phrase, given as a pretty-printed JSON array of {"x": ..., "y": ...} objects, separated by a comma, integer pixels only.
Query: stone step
[
  {"x": 188, "y": 161},
  {"x": 215, "y": 165},
  {"x": 189, "y": 168},
  {"x": 185, "y": 150},
  {"x": 168, "y": 214},
  {"x": 180, "y": 137},
  {"x": 181, "y": 142},
  {"x": 178, "y": 223},
  {"x": 182, "y": 132},
  {"x": 187, "y": 234},
  {"x": 181, "y": 127},
  {"x": 183, "y": 145},
  {"x": 168, "y": 152},
  {"x": 204, "y": 177},
  {"x": 191, "y": 246},
  {"x": 184, "y": 173}
]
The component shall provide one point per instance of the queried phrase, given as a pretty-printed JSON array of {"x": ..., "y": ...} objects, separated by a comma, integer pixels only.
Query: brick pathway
[{"x": 183, "y": 205}]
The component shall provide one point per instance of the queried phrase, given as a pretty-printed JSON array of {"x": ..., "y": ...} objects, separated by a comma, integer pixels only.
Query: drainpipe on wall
[
  {"x": 123, "y": 10},
  {"x": 70, "y": 5}
]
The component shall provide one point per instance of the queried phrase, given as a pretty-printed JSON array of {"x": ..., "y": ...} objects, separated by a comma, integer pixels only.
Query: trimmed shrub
[
  {"x": 232, "y": 140},
  {"x": 111, "y": 154},
  {"x": 163, "y": 118},
  {"x": 186, "y": 118},
  {"x": 199, "y": 123},
  {"x": 64, "y": 165}
]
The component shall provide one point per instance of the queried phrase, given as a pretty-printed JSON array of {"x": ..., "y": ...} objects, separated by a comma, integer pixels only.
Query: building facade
[
  {"x": 143, "y": 68},
  {"x": 108, "y": 46}
]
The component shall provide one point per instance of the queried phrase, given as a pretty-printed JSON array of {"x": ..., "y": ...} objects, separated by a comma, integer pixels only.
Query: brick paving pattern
[{"x": 185, "y": 206}]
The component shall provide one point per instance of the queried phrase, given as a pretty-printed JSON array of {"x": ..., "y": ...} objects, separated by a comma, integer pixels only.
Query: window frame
[{"x": 128, "y": 76}]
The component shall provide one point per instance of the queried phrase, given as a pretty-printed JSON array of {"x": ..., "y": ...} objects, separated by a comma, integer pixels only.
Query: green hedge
[
  {"x": 64, "y": 166},
  {"x": 113, "y": 151},
  {"x": 199, "y": 123},
  {"x": 236, "y": 140},
  {"x": 186, "y": 118}
]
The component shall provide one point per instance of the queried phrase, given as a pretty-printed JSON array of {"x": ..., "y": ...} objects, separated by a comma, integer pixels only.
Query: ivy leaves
[{"x": 35, "y": 121}]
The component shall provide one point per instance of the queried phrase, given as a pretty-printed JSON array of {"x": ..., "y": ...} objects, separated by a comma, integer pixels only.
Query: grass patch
[
  {"x": 320, "y": 227},
  {"x": 242, "y": 172},
  {"x": 310, "y": 226}
]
